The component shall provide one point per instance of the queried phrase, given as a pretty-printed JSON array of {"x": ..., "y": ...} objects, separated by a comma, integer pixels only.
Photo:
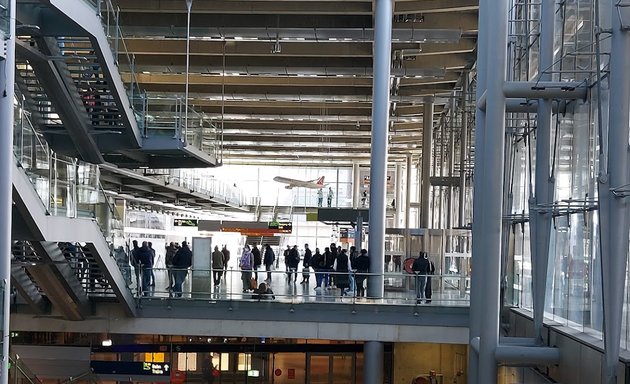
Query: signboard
[
  {"x": 130, "y": 368},
  {"x": 185, "y": 222},
  {"x": 281, "y": 226}
]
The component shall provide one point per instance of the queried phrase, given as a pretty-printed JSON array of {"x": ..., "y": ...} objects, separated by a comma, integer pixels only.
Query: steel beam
[
  {"x": 540, "y": 220},
  {"x": 427, "y": 145},
  {"x": 463, "y": 152},
  {"x": 487, "y": 235},
  {"x": 517, "y": 355},
  {"x": 408, "y": 207},
  {"x": 614, "y": 208},
  {"x": 7, "y": 84},
  {"x": 378, "y": 157}
]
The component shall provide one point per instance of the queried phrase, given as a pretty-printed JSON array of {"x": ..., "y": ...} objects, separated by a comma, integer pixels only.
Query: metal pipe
[
  {"x": 540, "y": 90},
  {"x": 540, "y": 220},
  {"x": 427, "y": 143},
  {"x": 398, "y": 196},
  {"x": 356, "y": 185},
  {"x": 7, "y": 85},
  {"x": 408, "y": 208},
  {"x": 614, "y": 209},
  {"x": 515, "y": 354},
  {"x": 378, "y": 157},
  {"x": 373, "y": 355},
  {"x": 492, "y": 196},
  {"x": 189, "y": 9},
  {"x": 451, "y": 164},
  {"x": 463, "y": 152}
]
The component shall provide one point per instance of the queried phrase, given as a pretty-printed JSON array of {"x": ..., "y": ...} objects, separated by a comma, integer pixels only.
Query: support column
[
  {"x": 356, "y": 186},
  {"x": 463, "y": 152},
  {"x": 373, "y": 362},
  {"x": 398, "y": 191},
  {"x": 427, "y": 144},
  {"x": 613, "y": 202},
  {"x": 492, "y": 197},
  {"x": 358, "y": 233},
  {"x": 476, "y": 296},
  {"x": 540, "y": 222},
  {"x": 7, "y": 85},
  {"x": 378, "y": 157},
  {"x": 451, "y": 163},
  {"x": 408, "y": 208}
]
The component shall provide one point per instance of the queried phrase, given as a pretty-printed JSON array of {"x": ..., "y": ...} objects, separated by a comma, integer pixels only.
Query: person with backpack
[
  {"x": 421, "y": 268},
  {"x": 268, "y": 259},
  {"x": 257, "y": 260},
  {"x": 246, "y": 264}
]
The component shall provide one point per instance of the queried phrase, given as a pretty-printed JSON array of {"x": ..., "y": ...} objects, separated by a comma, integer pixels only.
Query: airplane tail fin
[{"x": 320, "y": 181}]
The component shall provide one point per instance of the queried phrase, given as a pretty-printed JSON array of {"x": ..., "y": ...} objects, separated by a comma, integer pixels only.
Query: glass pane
[
  {"x": 319, "y": 370},
  {"x": 343, "y": 369}
]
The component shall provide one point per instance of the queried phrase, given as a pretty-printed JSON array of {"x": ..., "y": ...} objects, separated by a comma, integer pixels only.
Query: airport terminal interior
[{"x": 315, "y": 191}]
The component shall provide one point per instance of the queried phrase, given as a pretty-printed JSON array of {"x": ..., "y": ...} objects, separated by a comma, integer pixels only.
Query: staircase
[{"x": 50, "y": 267}]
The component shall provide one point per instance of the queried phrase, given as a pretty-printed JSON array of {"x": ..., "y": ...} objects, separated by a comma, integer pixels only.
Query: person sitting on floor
[{"x": 264, "y": 292}]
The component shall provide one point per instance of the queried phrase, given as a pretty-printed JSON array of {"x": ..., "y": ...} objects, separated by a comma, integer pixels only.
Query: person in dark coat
[
  {"x": 293, "y": 263},
  {"x": 268, "y": 259},
  {"x": 342, "y": 267},
  {"x": 181, "y": 262},
  {"x": 421, "y": 268},
  {"x": 362, "y": 266},
  {"x": 306, "y": 264},
  {"x": 145, "y": 258},
  {"x": 318, "y": 262},
  {"x": 257, "y": 260}
]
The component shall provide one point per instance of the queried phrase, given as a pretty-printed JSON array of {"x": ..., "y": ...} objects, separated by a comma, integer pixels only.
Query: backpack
[{"x": 246, "y": 261}]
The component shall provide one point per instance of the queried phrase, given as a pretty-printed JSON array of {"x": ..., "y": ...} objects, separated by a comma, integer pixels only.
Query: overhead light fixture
[{"x": 107, "y": 343}]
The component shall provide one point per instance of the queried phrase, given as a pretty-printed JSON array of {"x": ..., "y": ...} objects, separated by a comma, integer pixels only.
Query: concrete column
[
  {"x": 373, "y": 361},
  {"x": 378, "y": 158},
  {"x": 408, "y": 208},
  {"x": 463, "y": 153},
  {"x": 356, "y": 186},
  {"x": 398, "y": 192},
  {"x": 614, "y": 205},
  {"x": 540, "y": 220},
  {"x": 492, "y": 193},
  {"x": 427, "y": 144},
  {"x": 7, "y": 85}
]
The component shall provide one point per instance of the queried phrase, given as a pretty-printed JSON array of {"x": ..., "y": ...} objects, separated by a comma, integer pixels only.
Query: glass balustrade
[{"x": 286, "y": 286}]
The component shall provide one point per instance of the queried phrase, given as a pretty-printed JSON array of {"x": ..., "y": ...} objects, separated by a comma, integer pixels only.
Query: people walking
[
  {"x": 421, "y": 268},
  {"x": 246, "y": 264},
  {"x": 306, "y": 264}
]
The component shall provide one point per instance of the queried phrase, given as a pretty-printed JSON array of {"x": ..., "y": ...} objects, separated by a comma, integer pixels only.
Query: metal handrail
[{"x": 14, "y": 362}]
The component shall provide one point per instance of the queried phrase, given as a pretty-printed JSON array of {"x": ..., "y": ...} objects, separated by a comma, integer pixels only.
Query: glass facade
[{"x": 574, "y": 295}]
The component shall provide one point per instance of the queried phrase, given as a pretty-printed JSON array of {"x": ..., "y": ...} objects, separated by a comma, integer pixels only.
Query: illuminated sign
[
  {"x": 185, "y": 222},
  {"x": 281, "y": 226},
  {"x": 130, "y": 368}
]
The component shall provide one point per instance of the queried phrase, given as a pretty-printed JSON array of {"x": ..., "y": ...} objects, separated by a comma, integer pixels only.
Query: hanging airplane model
[{"x": 293, "y": 183}]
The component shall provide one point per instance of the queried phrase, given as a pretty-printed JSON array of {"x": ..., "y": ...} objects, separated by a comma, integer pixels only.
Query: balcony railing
[{"x": 400, "y": 287}]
